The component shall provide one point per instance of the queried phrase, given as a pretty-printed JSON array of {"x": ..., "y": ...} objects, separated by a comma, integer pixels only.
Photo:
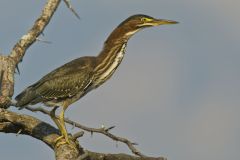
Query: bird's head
[
  {"x": 136, "y": 22},
  {"x": 132, "y": 25}
]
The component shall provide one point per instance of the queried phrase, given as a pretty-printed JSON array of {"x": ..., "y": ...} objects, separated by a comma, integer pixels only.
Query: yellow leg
[
  {"x": 56, "y": 120},
  {"x": 61, "y": 126},
  {"x": 62, "y": 123}
]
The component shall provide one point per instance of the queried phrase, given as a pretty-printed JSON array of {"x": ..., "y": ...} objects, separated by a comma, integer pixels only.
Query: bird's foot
[{"x": 61, "y": 140}]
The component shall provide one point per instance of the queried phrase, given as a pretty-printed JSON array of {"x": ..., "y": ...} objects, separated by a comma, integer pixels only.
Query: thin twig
[
  {"x": 77, "y": 135},
  {"x": 104, "y": 131},
  {"x": 43, "y": 41},
  {"x": 17, "y": 134},
  {"x": 18, "y": 70},
  {"x": 68, "y": 4}
]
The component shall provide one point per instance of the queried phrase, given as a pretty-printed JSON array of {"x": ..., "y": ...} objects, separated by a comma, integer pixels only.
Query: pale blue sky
[{"x": 176, "y": 93}]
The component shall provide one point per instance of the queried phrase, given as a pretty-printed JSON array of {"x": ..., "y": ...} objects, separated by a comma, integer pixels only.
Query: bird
[{"x": 71, "y": 81}]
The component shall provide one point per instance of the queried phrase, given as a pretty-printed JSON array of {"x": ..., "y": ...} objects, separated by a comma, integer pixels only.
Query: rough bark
[{"x": 11, "y": 122}]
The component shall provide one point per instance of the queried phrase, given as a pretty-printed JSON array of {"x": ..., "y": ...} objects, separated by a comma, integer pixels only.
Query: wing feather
[{"x": 64, "y": 82}]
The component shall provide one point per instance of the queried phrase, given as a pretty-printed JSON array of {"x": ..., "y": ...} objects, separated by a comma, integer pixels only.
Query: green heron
[{"x": 68, "y": 83}]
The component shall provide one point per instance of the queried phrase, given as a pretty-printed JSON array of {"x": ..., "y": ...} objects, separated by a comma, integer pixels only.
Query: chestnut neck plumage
[{"x": 112, "y": 54}]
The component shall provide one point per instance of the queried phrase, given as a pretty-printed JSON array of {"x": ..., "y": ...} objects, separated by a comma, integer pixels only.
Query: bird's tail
[{"x": 25, "y": 98}]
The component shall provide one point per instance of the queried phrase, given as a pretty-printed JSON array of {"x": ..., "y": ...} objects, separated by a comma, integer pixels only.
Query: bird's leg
[
  {"x": 53, "y": 116},
  {"x": 56, "y": 121},
  {"x": 62, "y": 123},
  {"x": 63, "y": 128}
]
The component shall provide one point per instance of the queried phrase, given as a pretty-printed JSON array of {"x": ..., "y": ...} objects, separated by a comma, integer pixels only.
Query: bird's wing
[
  {"x": 65, "y": 81},
  {"x": 65, "y": 86},
  {"x": 76, "y": 65}
]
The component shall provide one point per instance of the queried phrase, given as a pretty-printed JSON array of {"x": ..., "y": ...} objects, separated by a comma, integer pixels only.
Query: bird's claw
[
  {"x": 61, "y": 140},
  {"x": 58, "y": 141}
]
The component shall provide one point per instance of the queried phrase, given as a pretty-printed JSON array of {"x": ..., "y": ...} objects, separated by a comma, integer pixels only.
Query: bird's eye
[{"x": 145, "y": 19}]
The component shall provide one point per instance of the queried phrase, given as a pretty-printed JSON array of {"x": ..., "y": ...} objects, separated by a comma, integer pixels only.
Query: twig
[
  {"x": 104, "y": 131},
  {"x": 77, "y": 135},
  {"x": 17, "y": 134},
  {"x": 43, "y": 41},
  {"x": 68, "y": 4},
  {"x": 18, "y": 71}
]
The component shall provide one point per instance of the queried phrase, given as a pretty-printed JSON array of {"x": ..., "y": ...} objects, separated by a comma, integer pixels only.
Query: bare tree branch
[
  {"x": 104, "y": 131},
  {"x": 26, "y": 40},
  {"x": 11, "y": 122},
  {"x": 9, "y": 63}
]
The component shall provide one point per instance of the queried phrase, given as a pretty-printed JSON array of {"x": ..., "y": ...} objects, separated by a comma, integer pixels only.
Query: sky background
[{"x": 176, "y": 92}]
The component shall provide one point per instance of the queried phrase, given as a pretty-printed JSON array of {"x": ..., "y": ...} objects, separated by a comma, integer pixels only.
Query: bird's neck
[
  {"x": 111, "y": 55},
  {"x": 114, "y": 43}
]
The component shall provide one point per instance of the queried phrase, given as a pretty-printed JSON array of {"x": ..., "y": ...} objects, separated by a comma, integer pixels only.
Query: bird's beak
[{"x": 157, "y": 22}]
